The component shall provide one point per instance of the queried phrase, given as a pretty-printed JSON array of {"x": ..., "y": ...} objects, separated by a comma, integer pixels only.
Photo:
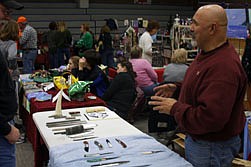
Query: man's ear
[{"x": 212, "y": 28}]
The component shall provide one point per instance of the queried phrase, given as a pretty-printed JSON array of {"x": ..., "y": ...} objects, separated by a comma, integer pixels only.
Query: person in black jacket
[
  {"x": 88, "y": 70},
  {"x": 9, "y": 134},
  {"x": 122, "y": 92},
  {"x": 105, "y": 47}
]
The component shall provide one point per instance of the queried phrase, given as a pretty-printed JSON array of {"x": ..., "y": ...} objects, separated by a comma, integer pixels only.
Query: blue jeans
[
  {"x": 29, "y": 57},
  {"x": 53, "y": 60},
  {"x": 148, "y": 90},
  {"x": 202, "y": 153},
  {"x": 7, "y": 153},
  {"x": 61, "y": 52}
]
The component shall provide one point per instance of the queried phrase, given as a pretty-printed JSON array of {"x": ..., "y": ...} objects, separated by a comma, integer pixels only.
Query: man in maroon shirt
[{"x": 210, "y": 105}]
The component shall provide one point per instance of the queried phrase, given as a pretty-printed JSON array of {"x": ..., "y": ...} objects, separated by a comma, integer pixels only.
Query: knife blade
[
  {"x": 101, "y": 159},
  {"x": 100, "y": 146},
  {"x": 121, "y": 143},
  {"x": 110, "y": 164}
]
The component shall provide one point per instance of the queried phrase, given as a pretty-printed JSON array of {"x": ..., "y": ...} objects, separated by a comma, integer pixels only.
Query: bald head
[
  {"x": 209, "y": 27},
  {"x": 213, "y": 13}
]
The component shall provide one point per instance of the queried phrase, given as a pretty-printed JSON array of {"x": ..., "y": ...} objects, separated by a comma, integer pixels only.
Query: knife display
[
  {"x": 101, "y": 159},
  {"x": 111, "y": 164},
  {"x": 121, "y": 143}
]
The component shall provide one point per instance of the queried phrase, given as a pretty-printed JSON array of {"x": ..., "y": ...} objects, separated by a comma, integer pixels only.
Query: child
[
  {"x": 121, "y": 94},
  {"x": 73, "y": 63}
]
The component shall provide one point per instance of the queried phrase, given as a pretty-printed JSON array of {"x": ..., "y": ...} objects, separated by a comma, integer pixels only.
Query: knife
[
  {"x": 74, "y": 130},
  {"x": 85, "y": 134},
  {"x": 121, "y": 143},
  {"x": 86, "y": 146},
  {"x": 151, "y": 152},
  {"x": 108, "y": 143},
  {"x": 97, "y": 154},
  {"x": 101, "y": 159},
  {"x": 85, "y": 138},
  {"x": 111, "y": 164},
  {"x": 99, "y": 145}
]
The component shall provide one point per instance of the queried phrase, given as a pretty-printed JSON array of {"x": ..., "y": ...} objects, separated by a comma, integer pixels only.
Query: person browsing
[{"x": 9, "y": 134}]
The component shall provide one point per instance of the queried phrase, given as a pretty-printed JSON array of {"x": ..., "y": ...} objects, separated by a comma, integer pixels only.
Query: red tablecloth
[
  {"x": 112, "y": 73},
  {"x": 31, "y": 131}
]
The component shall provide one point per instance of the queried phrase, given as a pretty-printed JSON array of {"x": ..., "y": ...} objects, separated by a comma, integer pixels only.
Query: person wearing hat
[
  {"x": 9, "y": 134},
  {"x": 6, "y": 5},
  {"x": 28, "y": 44}
]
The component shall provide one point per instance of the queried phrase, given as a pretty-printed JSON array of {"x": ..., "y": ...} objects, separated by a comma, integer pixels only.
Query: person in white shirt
[{"x": 145, "y": 41}]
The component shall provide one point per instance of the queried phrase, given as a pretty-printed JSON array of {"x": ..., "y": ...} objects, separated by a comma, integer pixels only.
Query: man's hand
[
  {"x": 13, "y": 136},
  {"x": 162, "y": 104},
  {"x": 165, "y": 90}
]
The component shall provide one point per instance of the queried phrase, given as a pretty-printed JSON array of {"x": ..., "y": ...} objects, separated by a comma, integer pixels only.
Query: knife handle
[
  {"x": 95, "y": 160},
  {"x": 121, "y": 143},
  {"x": 99, "y": 145},
  {"x": 86, "y": 146},
  {"x": 108, "y": 143}
]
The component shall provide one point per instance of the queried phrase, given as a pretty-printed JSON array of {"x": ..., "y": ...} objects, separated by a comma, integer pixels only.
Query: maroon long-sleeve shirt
[{"x": 210, "y": 105}]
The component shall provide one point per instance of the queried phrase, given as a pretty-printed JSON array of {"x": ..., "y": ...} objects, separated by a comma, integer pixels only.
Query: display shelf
[
  {"x": 182, "y": 38},
  {"x": 163, "y": 47}
]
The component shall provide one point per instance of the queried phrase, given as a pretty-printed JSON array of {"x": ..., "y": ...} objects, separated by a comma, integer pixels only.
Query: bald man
[{"x": 210, "y": 106}]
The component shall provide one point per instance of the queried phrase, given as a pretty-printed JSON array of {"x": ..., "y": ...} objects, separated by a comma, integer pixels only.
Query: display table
[
  {"x": 66, "y": 152},
  {"x": 36, "y": 106}
]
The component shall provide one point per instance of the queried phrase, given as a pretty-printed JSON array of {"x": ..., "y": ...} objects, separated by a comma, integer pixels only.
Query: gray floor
[{"x": 25, "y": 156}]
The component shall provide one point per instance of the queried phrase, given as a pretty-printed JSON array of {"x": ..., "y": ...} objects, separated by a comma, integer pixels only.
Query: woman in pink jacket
[{"x": 146, "y": 76}]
